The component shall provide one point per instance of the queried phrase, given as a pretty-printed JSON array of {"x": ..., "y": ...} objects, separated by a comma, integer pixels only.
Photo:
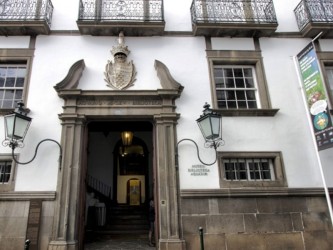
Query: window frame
[
  {"x": 242, "y": 58},
  {"x": 17, "y": 81},
  {"x": 12, "y": 56},
  {"x": 248, "y": 170},
  {"x": 11, "y": 182},
  {"x": 235, "y": 88},
  {"x": 279, "y": 179},
  {"x": 326, "y": 60}
]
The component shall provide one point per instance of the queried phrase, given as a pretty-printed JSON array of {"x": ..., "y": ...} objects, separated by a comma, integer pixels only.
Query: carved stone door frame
[{"x": 81, "y": 106}]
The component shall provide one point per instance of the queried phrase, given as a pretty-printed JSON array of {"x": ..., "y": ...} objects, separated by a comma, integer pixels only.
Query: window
[
  {"x": 241, "y": 169},
  {"x": 12, "y": 79},
  {"x": 326, "y": 64},
  {"x": 15, "y": 68},
  {"x": 235, "y": 87},
  {"x": 7, "y": 169},
  {"x": 239, "y": 85},
  {"x": 329, "y": 73}
]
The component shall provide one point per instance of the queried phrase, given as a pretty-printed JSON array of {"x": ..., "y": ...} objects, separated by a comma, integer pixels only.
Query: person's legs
[{"x": 151, "y": 233}]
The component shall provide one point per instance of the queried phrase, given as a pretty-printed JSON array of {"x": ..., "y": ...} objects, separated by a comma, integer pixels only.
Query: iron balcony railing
[
  {"x": 233, "y": 11},
  {"x": 26, "y": 10},
  {"x": 314, "y": 11},
  {"x": 121, "y": 10}
]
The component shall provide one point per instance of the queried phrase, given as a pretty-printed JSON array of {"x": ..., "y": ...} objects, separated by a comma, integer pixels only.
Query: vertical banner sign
[{"x": 316, "y": 97}]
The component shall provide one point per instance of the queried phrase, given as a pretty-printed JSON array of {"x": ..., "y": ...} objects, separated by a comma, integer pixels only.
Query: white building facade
[{"x": 265, "y": 191}]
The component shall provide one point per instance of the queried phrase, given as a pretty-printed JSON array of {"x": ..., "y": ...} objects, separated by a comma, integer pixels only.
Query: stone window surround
[
  {"x": 280, "y": 180},
  {"x": 253, "y": 58},
  {"x": 11, "y": 183},
  {"x": 18, "y": 55}
]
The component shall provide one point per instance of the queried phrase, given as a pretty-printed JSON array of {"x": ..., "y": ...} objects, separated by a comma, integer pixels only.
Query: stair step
[
  {"x": 122, "y": 232},
  {"x": 126, "y": 220},
  {"x": 128, "y": 227}
]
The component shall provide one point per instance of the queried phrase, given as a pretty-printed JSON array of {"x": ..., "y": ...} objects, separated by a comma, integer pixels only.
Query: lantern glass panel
[
  {"x": 206, "y": 128},
  {"x": 21, "y": 127},
  {"x": 215, "y": 122},
  {"x": 9, "y": 124},
  {"x": 16, "y": 126}
]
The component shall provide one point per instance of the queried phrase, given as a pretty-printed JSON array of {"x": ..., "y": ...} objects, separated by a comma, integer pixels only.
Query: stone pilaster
[
  {"x": 68, "y": 187},
  {"x": 167, "y": 184}
]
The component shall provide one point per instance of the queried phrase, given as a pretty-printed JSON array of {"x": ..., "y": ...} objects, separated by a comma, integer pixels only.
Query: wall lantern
[
  {"x": 210, "y": 125},
  {"x": 16, "y": 128},
  {"x": 127, "y": 137}
]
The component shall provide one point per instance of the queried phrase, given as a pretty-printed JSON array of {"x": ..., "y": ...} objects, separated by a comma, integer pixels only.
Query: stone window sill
[{"x": 247, "y": 112}]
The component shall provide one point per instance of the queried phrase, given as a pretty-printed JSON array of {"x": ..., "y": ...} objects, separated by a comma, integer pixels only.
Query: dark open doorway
[{"x": 119, "y": 180}]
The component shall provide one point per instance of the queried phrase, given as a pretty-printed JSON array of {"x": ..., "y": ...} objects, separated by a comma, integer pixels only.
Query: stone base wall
[
  {"x": 290, "y": 219},
  {"x": 20, "y": 219}
]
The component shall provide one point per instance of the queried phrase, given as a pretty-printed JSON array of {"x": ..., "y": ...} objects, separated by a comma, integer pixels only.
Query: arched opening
[{"x": 133, "y": 163}]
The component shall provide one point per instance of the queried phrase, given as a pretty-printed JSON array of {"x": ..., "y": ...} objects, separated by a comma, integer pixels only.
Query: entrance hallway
[
  {"x": 126, "y": 229},
  {"x": 107, "y": 242}
]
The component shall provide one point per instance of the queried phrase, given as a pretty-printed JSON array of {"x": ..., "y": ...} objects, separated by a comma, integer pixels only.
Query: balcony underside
[
  {"x": 233, "y": 29},
  {"x": 311, "y": 30},
  {"x": 113, "y": 28},
  {"x": 23, "y": 28}
]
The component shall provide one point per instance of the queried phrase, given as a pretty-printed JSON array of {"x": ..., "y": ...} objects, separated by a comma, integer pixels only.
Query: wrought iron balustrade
[
  {"x": 121, "y": 10},
  {"x": 314, "y": 11},
  {"x": 233, "y": 11},
  {"x": 22, "y": 10}
]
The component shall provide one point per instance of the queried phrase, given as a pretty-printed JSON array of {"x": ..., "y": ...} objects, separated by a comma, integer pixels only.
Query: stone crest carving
[{"x": 120, "y": 74}]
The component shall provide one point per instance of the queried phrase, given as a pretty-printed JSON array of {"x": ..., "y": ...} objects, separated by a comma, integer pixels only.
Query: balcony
[
  {"x": 21, "y": 17},
  {"x": 315, "y": 16},
  {"x": 236, "y": 18},
  {"x": 109, "y": 17}
]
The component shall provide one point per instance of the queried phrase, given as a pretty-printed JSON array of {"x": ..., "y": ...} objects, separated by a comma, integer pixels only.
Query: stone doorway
[{"x": 80, "y": 107}]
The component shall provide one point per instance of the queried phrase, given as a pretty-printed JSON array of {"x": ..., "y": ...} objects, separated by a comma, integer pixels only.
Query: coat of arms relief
[{"x": 120, "y": 74}]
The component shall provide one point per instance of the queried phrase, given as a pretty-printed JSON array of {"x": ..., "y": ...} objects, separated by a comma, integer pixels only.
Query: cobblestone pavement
[{"x": 119, "y": 243}]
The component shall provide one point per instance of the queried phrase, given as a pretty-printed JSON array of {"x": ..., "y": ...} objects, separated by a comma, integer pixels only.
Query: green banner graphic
[{"x": 316, "y": 97}]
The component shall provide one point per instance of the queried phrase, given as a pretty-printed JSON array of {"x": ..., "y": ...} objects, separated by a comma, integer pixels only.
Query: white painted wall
[
  {"x": 185, "y": 57},
  {"x": 65, "y": 15},
  {"x": 284, "y": 10},
  {"x": 326, "y": 44},
  {"x": 287, "y": 132},
  {"x": 14, "y": 42},
  {"x": 177, "y": 15},
  {"x": 228, "y": 43}
]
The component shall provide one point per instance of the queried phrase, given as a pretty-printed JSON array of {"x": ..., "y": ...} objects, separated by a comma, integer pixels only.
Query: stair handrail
[{"x": 99, "y": 186}]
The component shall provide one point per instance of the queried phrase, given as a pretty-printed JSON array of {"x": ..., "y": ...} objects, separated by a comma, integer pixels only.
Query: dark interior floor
[
  {"x": 118, "y": 242},
  {"x": 126, "y": 228}
]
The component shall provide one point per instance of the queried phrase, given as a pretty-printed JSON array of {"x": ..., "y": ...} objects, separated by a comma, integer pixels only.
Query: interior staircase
[
  {"x": 121, "y": 220},
  {"x": 127, "y": 220},
  {"x": 124, "y": 223}
]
